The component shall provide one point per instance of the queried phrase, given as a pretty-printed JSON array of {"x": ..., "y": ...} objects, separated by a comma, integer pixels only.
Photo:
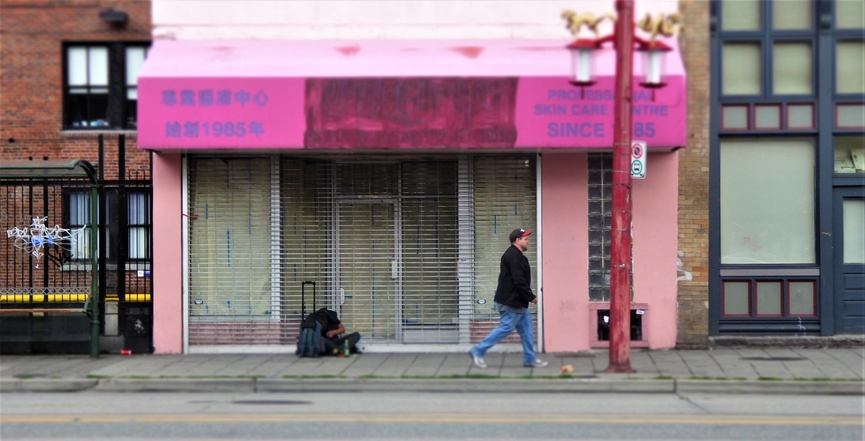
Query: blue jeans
[{"x": 509, "y": 320}]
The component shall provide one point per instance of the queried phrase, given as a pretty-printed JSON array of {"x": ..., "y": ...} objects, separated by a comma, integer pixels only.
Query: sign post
[{"x": 638, "y": 159}]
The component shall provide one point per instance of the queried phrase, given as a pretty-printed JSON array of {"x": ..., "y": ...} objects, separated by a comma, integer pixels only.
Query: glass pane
[
  {"x": 138, "y": 209},
  {"x": 77, "y": 66},
  {"x": 81, "y": 246},
  {"x": 854, "y": 230},
  {"x": 98, "y": 111},
  {"x": 767, "y": 117},
  {"x": 791, "y": 14},
  {"x": 768, "y": 298},
  {"x": 736, "y": 298},
  {"x": 742, "y": 73},
  {"x": 79, "y": 209},
  {"x": 134, "y": 61},
  {"x": 850, "y": 67},
  {"x": 76, "y": 111},
  {"x": 800, "y": 116},
  {"x": 849, "y": 14},
  {"x": 793, "y": 69},
  {"x": 767, "y": 201},
  {"x": 850, "y": 115},
  {"x": 138, "y": 243},
  {"x": 802, "y": 298},
  {"x": 850, "y": 154},
  {"x": 98, "y": 64},
  {"x": 735, "y": 117},
  {"x": 740, "y": 15}
]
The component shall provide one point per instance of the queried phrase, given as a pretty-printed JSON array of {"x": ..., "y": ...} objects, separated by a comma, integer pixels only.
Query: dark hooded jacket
[{"x": 515, "y": 279}]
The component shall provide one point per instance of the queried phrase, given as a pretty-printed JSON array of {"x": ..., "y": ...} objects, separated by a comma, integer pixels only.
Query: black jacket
[{"x": 515, "y": 280}]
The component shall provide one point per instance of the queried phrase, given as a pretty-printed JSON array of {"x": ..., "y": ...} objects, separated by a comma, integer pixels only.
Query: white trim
[
  {"x": 184, "y": 188},
  {"x": 370, "y": 349},
  {"x": 539, "y": 247}
]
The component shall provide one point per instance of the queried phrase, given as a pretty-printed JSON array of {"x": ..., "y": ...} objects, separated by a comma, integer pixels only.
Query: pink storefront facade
[{"x": 387, "y": 173}]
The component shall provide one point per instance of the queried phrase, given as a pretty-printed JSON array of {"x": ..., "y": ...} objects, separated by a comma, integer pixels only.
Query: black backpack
[{"x": 310, "y": 343}]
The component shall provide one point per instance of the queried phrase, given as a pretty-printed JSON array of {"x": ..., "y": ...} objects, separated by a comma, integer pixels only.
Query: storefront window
[
  {"x": 849, "y": 14},
  {"x": 742, "y": 72},
  {"x": 792, "y": 68},
  {"x": 791, "y": 14},
  {"x": 743, "y": 15},
  {"x": 767, "y": 201},
  {"x": 850, "y": 67},
  {"x": 850, "y": 154},
  {"x": 854, "y": 230}
]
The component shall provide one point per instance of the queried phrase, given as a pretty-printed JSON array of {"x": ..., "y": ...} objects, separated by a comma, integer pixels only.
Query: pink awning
[{"x": 391, "y": 94}]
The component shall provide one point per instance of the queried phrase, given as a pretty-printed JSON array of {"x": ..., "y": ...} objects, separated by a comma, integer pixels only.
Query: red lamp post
[
  {"x": 620, "y": 229},
  {"x": 620, "y": 252}
]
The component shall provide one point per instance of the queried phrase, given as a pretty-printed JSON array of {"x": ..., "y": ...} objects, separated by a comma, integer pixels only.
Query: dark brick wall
[
  {"x": 32, "y": 33},
  {"x": 693, "y": 294}
]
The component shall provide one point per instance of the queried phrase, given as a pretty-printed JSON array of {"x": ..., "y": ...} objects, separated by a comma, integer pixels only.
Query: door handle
[{"x": 394, "y": 270}]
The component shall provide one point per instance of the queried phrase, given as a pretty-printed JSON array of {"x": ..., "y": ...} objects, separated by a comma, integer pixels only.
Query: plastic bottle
[{"x": 345, "y": 350}]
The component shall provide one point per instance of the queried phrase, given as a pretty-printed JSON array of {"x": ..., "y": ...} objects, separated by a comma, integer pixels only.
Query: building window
[
  {"x": 767, "y": 201},
  {"x": 137, "y": 225},
  {"x": 101, "y": 85},
  {"x": 600, "y": 187}
]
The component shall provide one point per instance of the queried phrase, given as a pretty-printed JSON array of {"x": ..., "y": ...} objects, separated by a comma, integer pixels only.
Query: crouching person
[{"x": 332, "y": 332}]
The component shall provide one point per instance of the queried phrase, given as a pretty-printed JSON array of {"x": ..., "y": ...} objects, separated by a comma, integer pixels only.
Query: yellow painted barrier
[{"x": 66, "y": 298}]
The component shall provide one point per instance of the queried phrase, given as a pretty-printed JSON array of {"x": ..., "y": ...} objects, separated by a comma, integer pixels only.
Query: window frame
[
  {"x": 113, "y": 204},
  {"x": 117, "y": 110}
]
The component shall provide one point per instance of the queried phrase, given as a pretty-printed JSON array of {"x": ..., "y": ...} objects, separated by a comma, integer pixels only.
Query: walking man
[{"x": 513, "y": 294}]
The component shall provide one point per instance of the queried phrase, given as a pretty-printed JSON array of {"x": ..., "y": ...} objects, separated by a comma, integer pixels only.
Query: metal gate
[
  {"x": 405, "y": 250},
  {"x": 48, "y": 282},
  {"x": 50, "y": 270}
]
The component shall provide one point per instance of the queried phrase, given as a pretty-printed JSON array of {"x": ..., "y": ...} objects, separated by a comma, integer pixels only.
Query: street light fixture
[{"x": 620, "y": 229}]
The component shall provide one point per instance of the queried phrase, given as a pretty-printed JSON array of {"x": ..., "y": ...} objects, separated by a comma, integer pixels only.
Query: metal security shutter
[
  {"x": 230, "y": 298},
  {"x": 430, "y": 309},
  {"x": 403, "y": 250},
  {"x": 504, "y": 193}
]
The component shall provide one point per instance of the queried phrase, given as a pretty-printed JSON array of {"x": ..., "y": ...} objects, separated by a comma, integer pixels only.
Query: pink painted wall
[
  {"x": 565, "y": 253},
  {"x": 167, "y": 254},
  {"x": 655, "y": 232}
]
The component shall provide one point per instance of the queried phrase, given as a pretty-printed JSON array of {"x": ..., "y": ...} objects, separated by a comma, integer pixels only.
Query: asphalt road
[{"x": 429, "y": 416}]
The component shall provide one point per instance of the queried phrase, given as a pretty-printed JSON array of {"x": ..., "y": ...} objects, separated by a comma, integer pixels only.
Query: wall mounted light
[{"x": 116, "y": 18}]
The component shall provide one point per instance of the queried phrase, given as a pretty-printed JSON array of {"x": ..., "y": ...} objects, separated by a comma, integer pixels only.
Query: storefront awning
[{"x": 391, "y": 94}]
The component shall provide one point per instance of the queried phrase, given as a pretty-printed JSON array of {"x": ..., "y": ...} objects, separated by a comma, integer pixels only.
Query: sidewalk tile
[{"x": 426, "y": 365}]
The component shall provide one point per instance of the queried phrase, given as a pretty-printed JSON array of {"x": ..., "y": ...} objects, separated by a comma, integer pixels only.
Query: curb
[
  {"x": 289, "y": 385},
  {"x": 457, "y": 385},
  {"x": 772, "y": 387},
  {"x": 188, "y": 385},
  {"x": 13, "y": 385}
]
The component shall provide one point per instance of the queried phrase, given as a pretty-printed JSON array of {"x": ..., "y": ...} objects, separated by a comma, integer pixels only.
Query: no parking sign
[{"x": 638, "y": 159}]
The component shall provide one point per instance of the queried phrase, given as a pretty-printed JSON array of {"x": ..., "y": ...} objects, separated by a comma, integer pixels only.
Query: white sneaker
[
  {"x": 479, "y": 361},
  {"x": 537, "y": 363}
]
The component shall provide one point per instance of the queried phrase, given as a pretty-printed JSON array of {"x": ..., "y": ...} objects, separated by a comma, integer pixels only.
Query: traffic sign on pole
[{"x": 638, "y": 159}]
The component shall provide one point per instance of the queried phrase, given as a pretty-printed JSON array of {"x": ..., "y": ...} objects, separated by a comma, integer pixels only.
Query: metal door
[
  {"x": 849, "y": 260},
  {"x": 368, "y": 269}
]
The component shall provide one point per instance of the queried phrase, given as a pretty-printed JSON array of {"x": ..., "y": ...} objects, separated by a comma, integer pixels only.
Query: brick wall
[
  {"x": 31, "y": 77},
  {"x": 693, "y": 293}
]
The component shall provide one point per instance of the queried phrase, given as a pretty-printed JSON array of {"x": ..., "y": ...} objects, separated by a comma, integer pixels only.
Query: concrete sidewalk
[{"x": 730, "y": 370}]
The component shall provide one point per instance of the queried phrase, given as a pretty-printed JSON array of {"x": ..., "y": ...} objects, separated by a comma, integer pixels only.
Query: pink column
[
  {"x": 566, "y": 241},
  {"x": 656, "y": 245},
  {"x": 167, "y": 254}
]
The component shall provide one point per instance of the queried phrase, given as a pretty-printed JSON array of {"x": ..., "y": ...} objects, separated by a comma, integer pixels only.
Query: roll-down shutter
[{"x": 405, "y": 251}]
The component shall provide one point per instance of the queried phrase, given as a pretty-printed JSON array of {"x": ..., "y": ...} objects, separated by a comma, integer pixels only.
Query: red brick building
[{"x": 67, "y": 80}]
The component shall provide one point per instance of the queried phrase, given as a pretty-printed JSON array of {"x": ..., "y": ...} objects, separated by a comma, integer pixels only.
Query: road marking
[{"x": 798, "y": 420}]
